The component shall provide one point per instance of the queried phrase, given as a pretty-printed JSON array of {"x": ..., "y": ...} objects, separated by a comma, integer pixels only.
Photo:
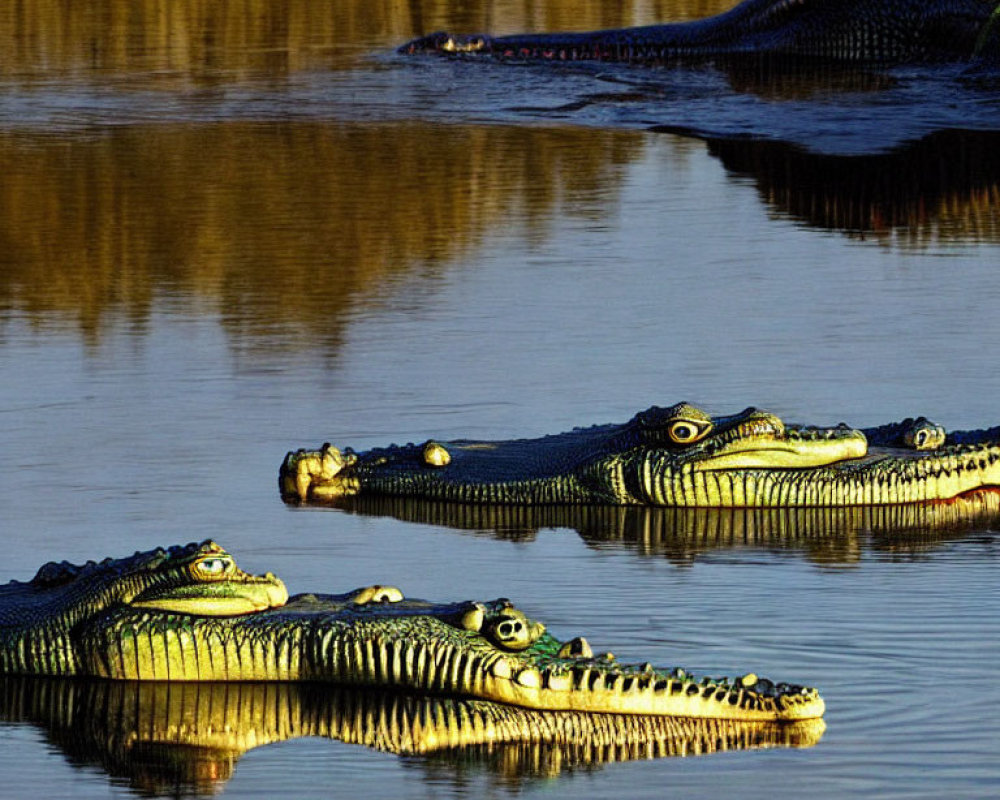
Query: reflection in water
[
  {"x": 281, "y": 228},
  {"x": 185, "y": 738},
  {"x": 286, "y": 228},
  {"x": 944, "y": 187},
  {"x": 828, "y": 536},
  {"x": 175, "y": 43}
]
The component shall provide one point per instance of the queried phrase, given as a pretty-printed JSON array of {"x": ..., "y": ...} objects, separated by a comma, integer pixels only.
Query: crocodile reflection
[
  {"x": 186, "y": 738},
  {"x": 827, "y": 536},
  {"x": 943, "y": 187}
]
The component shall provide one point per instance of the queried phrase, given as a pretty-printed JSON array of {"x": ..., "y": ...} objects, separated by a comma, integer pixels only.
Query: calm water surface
[{"x": 227, "y": 233}]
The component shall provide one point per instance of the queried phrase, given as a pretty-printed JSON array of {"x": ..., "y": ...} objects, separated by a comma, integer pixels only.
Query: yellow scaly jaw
[
  {"x": 764, "y": 442},
  {"x": 239, "y": 599},
  {"x": 218, "y": 588},
  {"x": 211, "y": 585},
  {"x": 784, "y": 453},
  {"x": 562, "y": 691}
]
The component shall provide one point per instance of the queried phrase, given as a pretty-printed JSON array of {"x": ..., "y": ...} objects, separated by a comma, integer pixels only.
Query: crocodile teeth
[
  {"x": 576, "y": 648},
  {"x": 501, "y": 668},
  {"x": 559, "y": 681},
  {"x": 529, "y": 678},
  {"x": 472, "y": 620},
  {"x": 582, "y": 678}
]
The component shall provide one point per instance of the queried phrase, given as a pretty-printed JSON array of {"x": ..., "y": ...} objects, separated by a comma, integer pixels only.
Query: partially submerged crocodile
[
  {"x": 158, "y": 615},
  {"x": 882, "y": 31},
  {"x": 678, "y": 456}
]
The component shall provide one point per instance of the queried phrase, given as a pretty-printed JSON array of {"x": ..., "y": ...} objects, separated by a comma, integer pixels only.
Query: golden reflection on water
[
  {"x": 279, "y": 223},
  {"x": 179, "y": 739},
  {"x": 167, "y": 43},
  {"x": 285, "y": 227}
]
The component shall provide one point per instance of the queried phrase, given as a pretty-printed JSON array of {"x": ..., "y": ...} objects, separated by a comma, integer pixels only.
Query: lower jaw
[
  {"x": 672, "y": 699},
  {"x": 823, "y": 488}
]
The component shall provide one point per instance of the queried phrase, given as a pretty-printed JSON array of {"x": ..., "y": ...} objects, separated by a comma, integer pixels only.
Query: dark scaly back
[{"x": 887, "y": 31}]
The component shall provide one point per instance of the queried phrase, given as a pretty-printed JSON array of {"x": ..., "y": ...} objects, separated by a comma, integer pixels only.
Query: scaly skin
[
  {"x": 199, "y": 730},
  {"x": 369, "y": 637},
  {"x": 40, "y": 620},
  {"x": 678, "y": 457},
  {"x": 879, "y": 31}
]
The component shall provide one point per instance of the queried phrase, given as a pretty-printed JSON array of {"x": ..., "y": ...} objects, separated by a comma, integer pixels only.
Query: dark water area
[{"x": 232, "y": 229}]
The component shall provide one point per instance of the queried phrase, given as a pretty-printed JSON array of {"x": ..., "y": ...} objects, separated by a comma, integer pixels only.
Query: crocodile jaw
[
  {"x": 595, "y": 691},
  {"x": 786, "y": 451}
]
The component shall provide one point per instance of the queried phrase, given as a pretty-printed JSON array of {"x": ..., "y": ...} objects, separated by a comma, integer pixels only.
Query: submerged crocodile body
[
  {"x": 678, "y": 456},
  {"x": 880, "y": 31},
  {"x": 189, "y": 614}
]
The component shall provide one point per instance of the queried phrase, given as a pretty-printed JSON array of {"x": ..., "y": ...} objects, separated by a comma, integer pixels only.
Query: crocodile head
[
  {"x": 205, "y": 580},
  {"x": 624, "y": 464},
  {"x": 191, "y": 579}
]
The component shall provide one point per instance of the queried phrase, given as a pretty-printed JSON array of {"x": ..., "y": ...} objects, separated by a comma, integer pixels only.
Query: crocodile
[
  {"x": 678, "y": 456},
  {"x": 873, "y": 31},
  {"x": 173, "y": 739},
  {"x": 188, "y": 613}
]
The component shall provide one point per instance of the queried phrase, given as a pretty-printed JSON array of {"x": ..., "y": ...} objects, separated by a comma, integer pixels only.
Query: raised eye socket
[
  {"x": 213, "y": 567},
  {"x": 684, "y": 432}
]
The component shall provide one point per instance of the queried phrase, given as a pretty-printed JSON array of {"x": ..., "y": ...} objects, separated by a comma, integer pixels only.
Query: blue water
[{"x": 204, "y": 281}]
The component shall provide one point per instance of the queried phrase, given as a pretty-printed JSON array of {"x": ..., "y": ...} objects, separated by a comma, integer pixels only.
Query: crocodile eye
[
  {"x": 213, "y": 567},
  {"x": 920, "y": 438},
  {"x": 684, "y": 432}
]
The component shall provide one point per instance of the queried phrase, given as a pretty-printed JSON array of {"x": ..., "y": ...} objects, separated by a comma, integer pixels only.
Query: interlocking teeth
[
  {"x": 613, "y": 682},
  {"x": 558, "y": 681},
  {"x": 576, "y": 648},
  {"x": 501, "y": 668},
  {"x": 529, "y": 678},
  {"x": 472, "y": 620}
]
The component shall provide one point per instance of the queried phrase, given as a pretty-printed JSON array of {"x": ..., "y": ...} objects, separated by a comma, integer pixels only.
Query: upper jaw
[{"x": 760, "y": 440}]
